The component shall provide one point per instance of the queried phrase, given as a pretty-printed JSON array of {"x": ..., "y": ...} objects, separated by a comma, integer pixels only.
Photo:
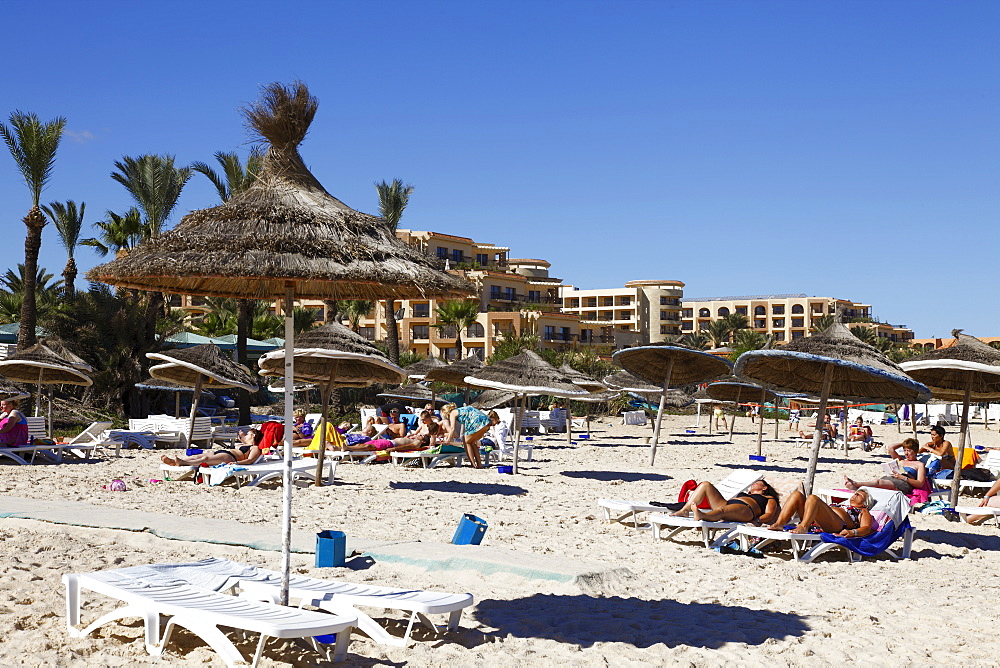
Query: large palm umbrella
[
  {"x": 419, "y": 370},
  {"x": 158, "y": 385},
  {"x": 10, "y": 392},
  {"x": 455, "y": 373},
  {"x": 284, "y": 236},
  {"x": 332, "y": 356},
  {"x": 832, "y": 363},
  {"x": 525, "y": 374},
  {"x": 200, "y": 367},
  {"x": 584, "y": 381},
  {"x": 969, "y": 368},
  {"x": 624, "y": 381},
  {"x": 491, "y": 399},
  {"x": 41, "y": 366},
  {"x": 412, "y": 392},
  {"x": 666, "y": 364}
]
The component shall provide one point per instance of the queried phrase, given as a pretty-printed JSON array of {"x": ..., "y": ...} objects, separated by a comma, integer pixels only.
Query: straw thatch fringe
[
  {"x": 454, "y": 373},
  {"x": 420, "y": 369},
  {"x": 689, "y": 366},
  {"x": 25, "y": 366},
  {"x": 526, "y": 373},
  {"x": 948, "y": 371},
  {"x": 185, "y": 365}
]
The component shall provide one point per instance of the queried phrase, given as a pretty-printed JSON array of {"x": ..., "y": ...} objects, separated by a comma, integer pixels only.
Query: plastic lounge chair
[
  {"x": 733, "y": 484},
  {"x": 428, "y": 459},
  {"x": 990, "y": 512},
  {"x": 200, "y": 611},
  {"x": 628, "y": 510},
  {"x": 340, "y": 597},
  {"x": 92, "y": 439},
  {"x": 806, "y": 547},
  {"x": 259, "y": 472}
]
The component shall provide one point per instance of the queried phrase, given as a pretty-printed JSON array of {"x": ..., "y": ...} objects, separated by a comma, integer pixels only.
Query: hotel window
[
  {"x": 420, "y": 332},
  {"x": 482, "y": 259},
  {"x": 550, "y": 333},
  {"x": 367, "y": 332},
  {"x": 759, "y": 310},
  {"x": 796, "y": 322},
  {"x": 687, "y": 325},
  {"x": 779, "y": 336},
  {"x": 625, "y": 315},
  {"x": 534, "y": 296},
  {"x": 798, "y": 335},
  {"x": 687, "y": 313},
  {"x": 421, "y": 310},
  {"x": 592, "y": 302},
  {"x": 447, "y": 332},
  {"x": 626, "y": 301},
  {"x": 760, "y": 323},
  {"x": 663, "y": 315},
  {"x": 475, "y": 331},
  {"x": 742, "y": 310},
  {"x": 723, "y": 312},
  {"x": 704, "y": 313},
  {"x": 566, "y": 334},
  {"x": 664, "y": 301},
  {"x": 494, "y": 292},
  {"x": 663, "y": 329},
  {"x": 778, "y": 322},
  {"x": 509, "y": 294},
  {"x": 456, "y": 255},
  {"x": 778, "y": 309},
  {"x": 607, "y": 301},
  {"x": 817, "y": 308},
  {"x": 797, "y": 308},
  {"x": 442, "y": 252}
]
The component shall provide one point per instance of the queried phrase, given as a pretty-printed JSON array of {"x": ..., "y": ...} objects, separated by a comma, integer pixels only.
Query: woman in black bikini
[
  {"x": 758, "y": 504},
  {"x": 852, "y": 519},
  {"x": 247, "y": 453}
]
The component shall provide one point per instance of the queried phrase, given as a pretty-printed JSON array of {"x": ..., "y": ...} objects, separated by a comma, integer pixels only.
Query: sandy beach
[{"x": 677, "y": 603}]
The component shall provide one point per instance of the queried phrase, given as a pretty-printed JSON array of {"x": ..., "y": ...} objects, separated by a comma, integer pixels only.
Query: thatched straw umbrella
[
  {"x": 525, "y": 374},
  {"x": 491, "y": 399},
  {"x": 332, "y": 356},
  {"x": 666, "y": 364},
  {"x": 411, "y": 392},
  {"x": 585, "y": 382},
  {"x": 284, "y": 236},
  {"x": 730, "y": 390},
  {"x": 41, "y": 366},
  {"x": 702, "y": 398},
  {"x": 623, "y": 381},
  {"x": 831, "y": 363},
  {"x": 419, "y": 370},
  {"x": 204, "y": 366},
  {"x": 455, "y": 373},
  {"x": 11, "y": 392},
  {"x": 971, "y": 368},
  {"x": 157, "y": 385}
]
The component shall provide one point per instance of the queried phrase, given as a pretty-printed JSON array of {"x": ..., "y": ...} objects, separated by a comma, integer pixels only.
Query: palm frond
[
  {"x": 392, "y": 200},
  {"x": 213, "y": 176},
  {"x": 68, "y": 219},
  {"x": 33, "y": 145},
  {"x": 118, "y": 232},
  {"x": 155, "y": 184}
]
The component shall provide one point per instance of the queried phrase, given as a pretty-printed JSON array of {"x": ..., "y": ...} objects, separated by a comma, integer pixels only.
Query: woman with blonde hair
[{"x": 474, "y": 424}]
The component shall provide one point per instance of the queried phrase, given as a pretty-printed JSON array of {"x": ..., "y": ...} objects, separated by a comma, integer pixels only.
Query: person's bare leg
[
  {"x": 791, "y": 505},
  {"x": 854, "y": 486},
  {"x": 819, "y": 512},
  {"x": 703, "y": 491},
  {"x": 170, "y": 461}
]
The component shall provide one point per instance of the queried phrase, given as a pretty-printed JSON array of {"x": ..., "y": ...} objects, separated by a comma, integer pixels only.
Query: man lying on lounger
[{"x": 247, "y": 453}]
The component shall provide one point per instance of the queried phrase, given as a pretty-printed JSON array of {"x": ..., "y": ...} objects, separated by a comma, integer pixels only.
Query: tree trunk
[
  {"x": 244, "y": 318},
  {"x": 34, "y": 221},
  {"x": 69, "y": 278},
  {"x": 392, "y": 331}
]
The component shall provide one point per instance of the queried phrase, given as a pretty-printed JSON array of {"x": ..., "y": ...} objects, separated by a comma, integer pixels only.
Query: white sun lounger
[
  {"x": 259, "y": 472},
  {"x": 201, "y": 612},
  {"x": 733, "y": 484},
  {"x": 427, "y": 459},
  {"x": 988, "y": 511}
]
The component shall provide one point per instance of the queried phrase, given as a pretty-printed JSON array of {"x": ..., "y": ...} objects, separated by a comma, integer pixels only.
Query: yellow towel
[{"x": 333, "y": 438}]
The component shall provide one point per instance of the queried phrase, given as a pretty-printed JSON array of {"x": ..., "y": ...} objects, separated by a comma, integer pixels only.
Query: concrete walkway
[{"x": 428, "y": 555}]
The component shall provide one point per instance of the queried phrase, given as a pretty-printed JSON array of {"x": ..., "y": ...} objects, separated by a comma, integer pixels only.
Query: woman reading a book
[{"x": 904, "y": 475}]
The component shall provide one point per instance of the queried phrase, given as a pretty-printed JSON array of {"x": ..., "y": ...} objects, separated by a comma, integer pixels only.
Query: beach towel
[
  {"x": 871, "y": 545},
  {"x": 333, "y": 437},
  {"x": 274, "y": 434}
]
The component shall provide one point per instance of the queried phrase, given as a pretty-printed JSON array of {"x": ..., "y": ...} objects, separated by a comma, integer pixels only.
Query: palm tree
[
  {"x": 155, "y": 184},
  {"x": 823, "y": 323},
  {"x": 745, "y": 340},
  {"x": 355, "y": 309},
  {"x": 718, "y": 331},
  {"x": 511, "y": 343},
  {"x": 695, "y": 340},
  {"x": 16, "y": 282},
  {"x": 68, "y": 220},
  {"x": 303, "y": 318},
  {"x": 736, "y": 322},
  {"x": 33, "y": 145},
  {"x": 117, "y": 233},
  {"x": 392, "y": 200},
  {"x": 457, "y": 313},
  {"x": 866, "y": 334},
  {"x": 235, "y": 177}
]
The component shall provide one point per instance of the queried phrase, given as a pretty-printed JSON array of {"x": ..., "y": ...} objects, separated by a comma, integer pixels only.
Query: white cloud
[{"x": 81, "y": 137}]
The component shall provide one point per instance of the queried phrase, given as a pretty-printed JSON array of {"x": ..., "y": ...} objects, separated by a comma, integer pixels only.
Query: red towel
[{"x": 274, "y": 434}]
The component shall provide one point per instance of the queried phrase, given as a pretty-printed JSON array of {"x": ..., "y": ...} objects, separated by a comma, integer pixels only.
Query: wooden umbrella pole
[
  {"x": 913, "y": 418},
  {"x": 569, "y": 424},
  {"x": 286, "y": 474},
  {"x": 194, "y": 406},
  {"x": 659, "y": 412},
  {"x": 519, "y": 409},
  {"x": 732, "y": 424},
  {"x": 324, "y": 397},
  {"x": 38, "y": 391},
  {"x": 776, "y": 417},
  {"x": 899, "y": 423},
  {"x": 843, "y": 426},
  {"x": 957, "y": 475},
  {"x": 818, "y": 433},
  {"x": 177, "y": 404},
  {"x": 48, "y": 430},
  {"x": 760, "y": 427}
]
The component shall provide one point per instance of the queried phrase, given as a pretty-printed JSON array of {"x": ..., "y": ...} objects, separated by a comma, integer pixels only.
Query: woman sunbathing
[
  {"x": 758, "y": 504},
  {"x": 850, "y": 519},
  {"x": 990, "y": 500},
  {"x": 247, "y": 453},
  {"x": 912, "y": 473}
]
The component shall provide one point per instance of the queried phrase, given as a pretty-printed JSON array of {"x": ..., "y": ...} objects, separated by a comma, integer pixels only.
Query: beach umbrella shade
[
  {"x": 200, "y": 367},
  {"x": 156, "y": 385},
  {"x": 623, "y": 381},
  {"x": 40, "y": 365},
  {"x": 525, "y": 374},
  {"x": 595, "y": 398},
  {"x": 970, "y": 369},
  {"x": 284, "y": 236},
  {"x": 455, "y": 373},
  {"x": 332, "y": 356},
  {"x": 702, "y": 398},
  {"x": 491, "y": 399},
  {"x": 832, "y": 363},
  {"x": 418, "y": 370},
  {"x": 666, "y": 364}
]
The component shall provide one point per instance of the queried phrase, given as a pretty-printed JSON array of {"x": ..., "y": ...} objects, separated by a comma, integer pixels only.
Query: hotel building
[{"x": 641, "y": 312}]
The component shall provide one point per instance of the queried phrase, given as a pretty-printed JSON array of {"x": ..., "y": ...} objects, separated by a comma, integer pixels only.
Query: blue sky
[{"x": 842, "y": 149}]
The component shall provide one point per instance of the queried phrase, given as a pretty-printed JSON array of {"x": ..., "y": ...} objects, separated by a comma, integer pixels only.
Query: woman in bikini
[
  {"x": 850, "y": 519},
  {"x": 758, "y": 504},
  {"x": 247, "y": 453}
]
